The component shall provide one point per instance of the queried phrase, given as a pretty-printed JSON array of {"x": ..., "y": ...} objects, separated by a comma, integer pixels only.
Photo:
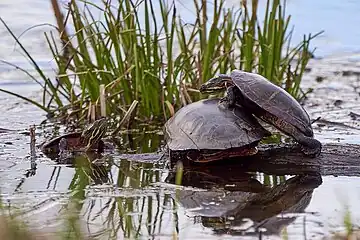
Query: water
[{"x": 124, "y": 197}]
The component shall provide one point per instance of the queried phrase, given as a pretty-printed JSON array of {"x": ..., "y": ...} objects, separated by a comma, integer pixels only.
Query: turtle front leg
[
  {"x": 230, "y": 98},
  {"x": 310, "y": 146}
]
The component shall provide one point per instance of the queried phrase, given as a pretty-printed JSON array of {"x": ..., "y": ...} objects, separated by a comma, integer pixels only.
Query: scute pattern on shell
[
  {"x": 272, "y": 99},
  {"x": 206, "y": 125}
]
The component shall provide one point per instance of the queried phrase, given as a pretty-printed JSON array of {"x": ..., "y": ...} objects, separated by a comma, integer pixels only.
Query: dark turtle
[
  {"x": 270, "y": 103},
  {"x": 89, "y": 139},
  {"x": 203, "y": 132}
]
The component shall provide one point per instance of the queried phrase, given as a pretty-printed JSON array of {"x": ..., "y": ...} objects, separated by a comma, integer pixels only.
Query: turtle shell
[
  {"x": 272, "y": 99},
  {"x": 206, "y": 126}
]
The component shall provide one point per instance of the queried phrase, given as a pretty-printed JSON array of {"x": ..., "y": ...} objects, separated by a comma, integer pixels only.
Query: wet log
[
  {"x": 284, "y": 159},
  {"x": 335, "y": 159}
]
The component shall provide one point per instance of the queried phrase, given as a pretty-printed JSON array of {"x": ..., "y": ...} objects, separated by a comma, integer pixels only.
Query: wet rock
[
  {"x": 350, "y": 73},
  {"x": 319, "y": 79},
  {"x": 354, "y": 116},
  {"x": 338, "y": 102}
]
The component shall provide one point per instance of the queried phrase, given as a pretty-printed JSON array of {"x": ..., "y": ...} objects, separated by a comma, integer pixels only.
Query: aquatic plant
[{"x": 146, "y": 52}]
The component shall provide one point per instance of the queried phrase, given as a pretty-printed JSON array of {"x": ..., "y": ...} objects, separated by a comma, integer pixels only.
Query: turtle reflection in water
[
  {"x": 226, "y": 210},
  {"x": 203, "y": 132},
  {"x": 269, "y": 102},
  {"x": 89, "y": 139}
]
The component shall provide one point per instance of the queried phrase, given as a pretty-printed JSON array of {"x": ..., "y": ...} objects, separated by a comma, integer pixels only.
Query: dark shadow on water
[{"x": 237, "y": 203}]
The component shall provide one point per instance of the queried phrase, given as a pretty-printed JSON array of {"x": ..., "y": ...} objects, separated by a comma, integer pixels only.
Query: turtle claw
[
  {"x": 310, "y": 152},
  {"x": 313, "y": 151},
  {"x": 224, "y": 102}
]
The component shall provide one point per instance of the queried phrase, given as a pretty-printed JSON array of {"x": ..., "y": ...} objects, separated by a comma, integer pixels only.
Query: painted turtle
[
  {"x": 203, "y": 132},
  {"x": 269, "y": 102},
  {"x": 89, "y": 139}
]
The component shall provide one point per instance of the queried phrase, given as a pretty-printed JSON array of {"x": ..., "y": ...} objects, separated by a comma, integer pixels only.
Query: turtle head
[
  {"x": 218, "y": 83},
  {"x": 92, "y": 134}
]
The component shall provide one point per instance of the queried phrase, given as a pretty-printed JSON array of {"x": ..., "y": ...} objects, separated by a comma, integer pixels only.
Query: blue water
[{"x": 338, "y": 19}]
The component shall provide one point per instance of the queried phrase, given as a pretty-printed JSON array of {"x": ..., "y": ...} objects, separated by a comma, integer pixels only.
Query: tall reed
[{"x": 145, "y": 51}]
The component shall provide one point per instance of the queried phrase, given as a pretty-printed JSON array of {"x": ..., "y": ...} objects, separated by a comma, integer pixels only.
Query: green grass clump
[{"x": 146, "y": 51}]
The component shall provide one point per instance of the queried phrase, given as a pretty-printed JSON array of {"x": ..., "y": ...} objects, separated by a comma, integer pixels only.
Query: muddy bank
[{"x": 335, "y": 99}]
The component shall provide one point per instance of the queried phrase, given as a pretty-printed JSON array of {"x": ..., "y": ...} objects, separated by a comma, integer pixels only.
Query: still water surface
[{"x": 127, "y": 197}]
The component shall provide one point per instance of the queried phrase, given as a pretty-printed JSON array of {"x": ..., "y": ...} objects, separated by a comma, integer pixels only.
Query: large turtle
[
  {"x": 88, "y": 139},
  {"x": 204, "y": 132},
  {"x": 269, "y": 102}
]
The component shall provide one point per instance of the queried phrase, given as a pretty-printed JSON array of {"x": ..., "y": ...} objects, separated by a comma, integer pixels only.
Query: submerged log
[{"x": 284, "y": 159}]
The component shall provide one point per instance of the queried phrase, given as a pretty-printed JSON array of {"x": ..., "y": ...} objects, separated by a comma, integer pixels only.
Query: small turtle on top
[
  {"x": 269, "y": 102},
  {"x": 203, "y": 132},
  {"x": 89, "y": 139}
]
